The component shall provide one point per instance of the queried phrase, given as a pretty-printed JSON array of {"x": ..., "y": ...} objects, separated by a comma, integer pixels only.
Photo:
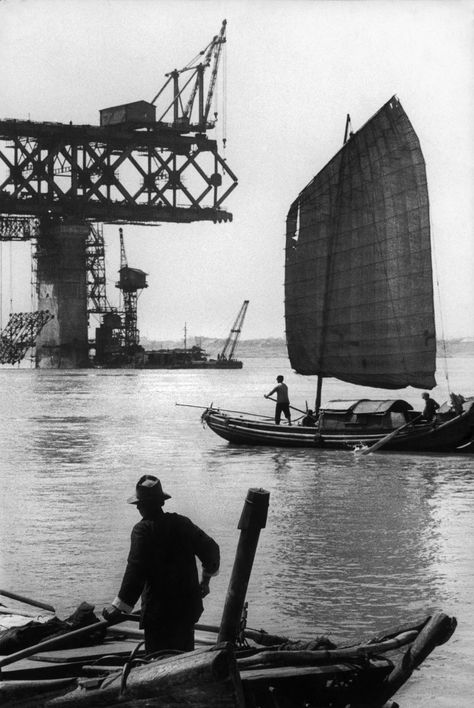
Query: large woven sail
[{"x": 358, "y": 278}]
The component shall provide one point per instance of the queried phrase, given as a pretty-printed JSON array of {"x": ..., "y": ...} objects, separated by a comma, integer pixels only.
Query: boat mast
[
  {"x": 317, "y": 404},
  {"x": 347, "y": 132}
]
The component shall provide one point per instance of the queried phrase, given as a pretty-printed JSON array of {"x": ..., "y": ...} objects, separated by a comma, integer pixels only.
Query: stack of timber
[{"x": 240, "y": 668}]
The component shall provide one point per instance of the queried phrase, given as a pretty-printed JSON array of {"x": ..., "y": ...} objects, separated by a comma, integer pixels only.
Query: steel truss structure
[
  {"x": 20, "y": 334},
  {"x": 96, "y": 279},
  {"x": 131, "y": 335},
  {"x": 18, "y": 228},
  {"x": 112, "y": 174}
]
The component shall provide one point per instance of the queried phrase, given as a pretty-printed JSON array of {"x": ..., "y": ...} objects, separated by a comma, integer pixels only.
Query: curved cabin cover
[
  {"x": 369, "y": 415},
  {"x": 358, "y": 277}
]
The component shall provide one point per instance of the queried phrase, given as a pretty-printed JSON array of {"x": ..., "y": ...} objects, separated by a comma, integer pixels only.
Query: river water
[{"x": 353, "y": 545}]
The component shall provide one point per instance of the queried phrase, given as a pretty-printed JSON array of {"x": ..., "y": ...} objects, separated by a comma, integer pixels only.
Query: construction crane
[
  {"x": 182, "y": 115},
  {"x": 234, "y": 334},
  {"x": 131, "y": 281}
]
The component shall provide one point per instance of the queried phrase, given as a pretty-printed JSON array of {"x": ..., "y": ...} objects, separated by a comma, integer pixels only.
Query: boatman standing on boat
[
  {"x": 283, "y": 401},
  {"x": 431, "y": 406},
  {"x": 161, "y": 567}
]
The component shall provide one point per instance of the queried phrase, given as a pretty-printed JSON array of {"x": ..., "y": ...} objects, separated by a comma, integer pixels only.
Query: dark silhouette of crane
[
  {"x": 131, "y": 282},
  {"x": 194, "y": 86},
  {"x": 231, "y": 343}
]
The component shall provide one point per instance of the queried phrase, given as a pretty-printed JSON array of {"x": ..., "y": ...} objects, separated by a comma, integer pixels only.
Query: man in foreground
[{"x": 161, "y": 567}]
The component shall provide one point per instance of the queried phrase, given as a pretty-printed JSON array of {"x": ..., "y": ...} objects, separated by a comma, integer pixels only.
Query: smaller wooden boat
[
  {"x": 244, "y": 668},
  {"x": 350, "y": 425},
  {"x": 259, "y": 675}
]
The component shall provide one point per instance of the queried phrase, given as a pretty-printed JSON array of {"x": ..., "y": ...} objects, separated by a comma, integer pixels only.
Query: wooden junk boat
[
  {"x": 359, "y": 296},
  {"x": 244, "y": 669},
  {"x": 370, "y": 424}
]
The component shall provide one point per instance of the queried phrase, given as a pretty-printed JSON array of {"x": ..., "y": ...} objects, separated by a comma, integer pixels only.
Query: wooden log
[
  {"x": 252, "y": 520},
  {"x": 259, "y": 636},
  {"x": 272, "y": 674},
  {"x": 54, "y": 642},
  {"x": 437, "y": 631},
  {"x": 311, "y": 657},
  {"x": 202, "y": 679},
  {"x": 27, "y": 600},
  {"x": 135, "y": 633},
  {"x": 119, "y": 648},
  {"x": 32, "y": 693}
]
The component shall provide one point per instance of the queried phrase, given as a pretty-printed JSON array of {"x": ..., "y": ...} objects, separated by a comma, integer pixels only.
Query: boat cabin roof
[{"x": 366, "y": 406}]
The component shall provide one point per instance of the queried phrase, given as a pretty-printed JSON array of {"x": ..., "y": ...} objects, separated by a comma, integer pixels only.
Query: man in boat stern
[
  {"x": 431, "y": 406},
  {"x": 283, "y": 401},
  {"x": 161, "y": 567}
]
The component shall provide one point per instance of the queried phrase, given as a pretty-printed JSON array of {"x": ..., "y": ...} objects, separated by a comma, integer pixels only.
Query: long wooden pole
[
  {"x": 27, "y": 600},
  {"x": 388, "y": 437},
  {"x": 56, "y": 642},
  {"x": 292, "y": 407},
  {"x": 252, "y": 520},
  {"x": 223, "y": 410}
]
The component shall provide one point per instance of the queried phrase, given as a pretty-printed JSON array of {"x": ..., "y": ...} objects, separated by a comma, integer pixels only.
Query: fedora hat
[{"x": 148, "y": 488}]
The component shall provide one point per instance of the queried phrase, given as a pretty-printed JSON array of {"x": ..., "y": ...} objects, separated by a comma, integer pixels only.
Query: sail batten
[{"x": 358, "y": 277}]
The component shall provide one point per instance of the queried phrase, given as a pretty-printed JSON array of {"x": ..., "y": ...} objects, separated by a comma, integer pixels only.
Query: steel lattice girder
[
  {"x": 18, "y": 228},
  {"x": 112, "y": 175}
]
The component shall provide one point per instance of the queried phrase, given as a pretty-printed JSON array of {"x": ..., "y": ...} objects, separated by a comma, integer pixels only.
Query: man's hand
[
  {"x": 204, "y": 585},
  {"x": 111, "y": 614}
]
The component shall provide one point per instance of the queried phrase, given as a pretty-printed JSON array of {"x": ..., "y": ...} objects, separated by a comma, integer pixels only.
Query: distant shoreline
[{"x": 276, "y": 347}]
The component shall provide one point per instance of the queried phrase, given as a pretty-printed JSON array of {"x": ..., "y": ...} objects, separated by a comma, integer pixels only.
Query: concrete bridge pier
[{"x": 62, "y": 289}]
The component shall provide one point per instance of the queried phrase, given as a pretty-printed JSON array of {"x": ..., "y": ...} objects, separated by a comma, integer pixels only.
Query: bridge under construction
[{"x": 145, "y": 163}]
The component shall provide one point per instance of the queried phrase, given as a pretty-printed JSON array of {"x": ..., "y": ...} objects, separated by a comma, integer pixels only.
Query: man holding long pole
[{"x": 283, "y": 401}]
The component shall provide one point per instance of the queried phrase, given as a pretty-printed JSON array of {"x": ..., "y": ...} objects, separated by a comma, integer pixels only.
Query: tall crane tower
[{"x": 131, "y": 282}]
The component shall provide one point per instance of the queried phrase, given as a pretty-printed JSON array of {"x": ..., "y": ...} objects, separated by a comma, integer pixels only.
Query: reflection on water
[{"x": 352, "y": 545}]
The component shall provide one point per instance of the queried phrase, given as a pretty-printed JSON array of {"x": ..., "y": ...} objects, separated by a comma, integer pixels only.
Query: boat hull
[
  {"x": 448, "y": 436},
  {"x": 363, "y": 675}
]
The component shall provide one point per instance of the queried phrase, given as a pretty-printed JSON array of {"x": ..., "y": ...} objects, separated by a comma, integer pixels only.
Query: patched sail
[{"x": 358, "y": 277}]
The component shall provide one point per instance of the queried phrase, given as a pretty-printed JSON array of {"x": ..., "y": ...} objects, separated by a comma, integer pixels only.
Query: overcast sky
[{"x": 294, "y": 69}]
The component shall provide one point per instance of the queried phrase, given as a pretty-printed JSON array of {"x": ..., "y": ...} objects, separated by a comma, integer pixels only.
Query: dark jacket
[
  {"x": 162, "y": 568},
  {"x": 429, "y": 411}
]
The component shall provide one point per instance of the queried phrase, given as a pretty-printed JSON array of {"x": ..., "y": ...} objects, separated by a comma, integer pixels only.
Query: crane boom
[
  {"x": 234, "y": 334},
  {"x": 199, "y": 70},
  {"x": 193, "y": 86},
  {"x": 217, "y": 47}
]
